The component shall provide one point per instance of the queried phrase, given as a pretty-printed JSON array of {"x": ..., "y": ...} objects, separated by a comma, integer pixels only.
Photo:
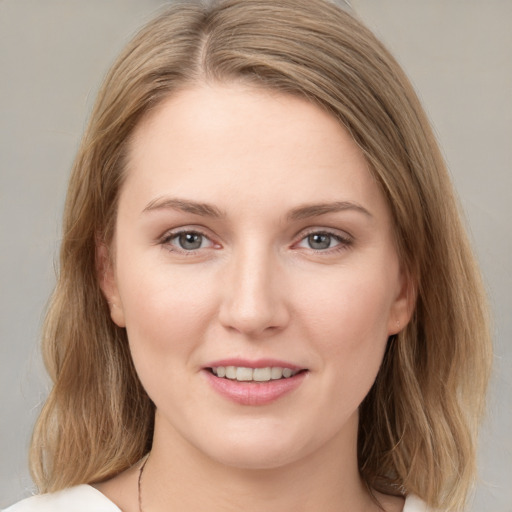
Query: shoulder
[
  {"x": 82, "y": 498},
  {"x": 414, "y": 504}
]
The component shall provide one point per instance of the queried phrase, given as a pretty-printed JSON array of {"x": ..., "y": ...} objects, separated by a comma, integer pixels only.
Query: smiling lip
[
  {"x": 259, "y": 363},
  {"x": 254, "y": 393}
]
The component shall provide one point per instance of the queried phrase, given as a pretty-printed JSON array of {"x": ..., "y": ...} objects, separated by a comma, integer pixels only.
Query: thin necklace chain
[{"x": 139, "y": 483}]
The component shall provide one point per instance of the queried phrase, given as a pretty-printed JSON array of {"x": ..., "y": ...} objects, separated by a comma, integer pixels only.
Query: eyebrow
[
  {"x": 184, "y": 205},
  {"x": 315, "y": 210},
  {"x": 208, "y": 210}
]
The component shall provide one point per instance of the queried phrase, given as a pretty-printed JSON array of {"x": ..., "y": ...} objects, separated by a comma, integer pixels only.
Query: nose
[{"x": 254, "y": 295}]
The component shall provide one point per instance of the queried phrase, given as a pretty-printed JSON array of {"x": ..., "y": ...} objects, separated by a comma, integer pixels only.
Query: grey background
[{"x": 53, "y": 54}]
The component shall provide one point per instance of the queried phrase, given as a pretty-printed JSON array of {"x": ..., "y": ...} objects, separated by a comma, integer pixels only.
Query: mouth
[
  {"x": 246, "y": 374},
  {"x": 252, "y": 383}
]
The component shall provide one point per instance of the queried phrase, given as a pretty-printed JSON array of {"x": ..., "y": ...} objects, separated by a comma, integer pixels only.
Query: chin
[
  {"x": 256, "y": 456},
  {"x": 262, "y": 446}
]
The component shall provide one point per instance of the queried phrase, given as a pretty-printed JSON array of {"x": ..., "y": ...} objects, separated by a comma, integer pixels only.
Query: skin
[{"x": 257, "y": 287}]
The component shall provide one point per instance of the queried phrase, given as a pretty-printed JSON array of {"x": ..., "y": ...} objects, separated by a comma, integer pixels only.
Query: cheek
[
  {"x": 353, "y": 307},
  {"x": 348, "y": 319},
  {"x": 166, "y": 313},
  {"x": 164, "y": 307}
]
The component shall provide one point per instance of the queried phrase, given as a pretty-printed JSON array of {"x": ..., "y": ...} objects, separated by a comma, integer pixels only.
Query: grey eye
[
  {"x": 319, "y": 241},
  {"x": 190, "y": 241}
]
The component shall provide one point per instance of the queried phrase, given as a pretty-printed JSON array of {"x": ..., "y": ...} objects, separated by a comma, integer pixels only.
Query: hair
[{"x": 419, "y": 422}]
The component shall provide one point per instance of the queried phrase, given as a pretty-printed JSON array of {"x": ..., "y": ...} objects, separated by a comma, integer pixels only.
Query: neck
[{"x": 179, "y": 477}]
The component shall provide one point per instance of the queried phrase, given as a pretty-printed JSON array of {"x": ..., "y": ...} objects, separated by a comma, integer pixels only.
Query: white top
[
  {"x": 81, "y": 498},
  {"x": 84, "y": 498}
]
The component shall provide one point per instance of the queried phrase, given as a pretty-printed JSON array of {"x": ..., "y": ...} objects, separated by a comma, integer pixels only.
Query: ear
[
  {"x": 108, "y": 283},
  {"x": 403, "y": 305}
]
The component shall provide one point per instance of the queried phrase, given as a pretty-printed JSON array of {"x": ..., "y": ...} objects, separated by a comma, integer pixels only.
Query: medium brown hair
[{"x": 419, "y": 422}]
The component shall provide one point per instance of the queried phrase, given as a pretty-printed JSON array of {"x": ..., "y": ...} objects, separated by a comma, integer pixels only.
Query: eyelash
[
  {"x": 343, "y": 242},
  {"x": 167, "y": 239}
]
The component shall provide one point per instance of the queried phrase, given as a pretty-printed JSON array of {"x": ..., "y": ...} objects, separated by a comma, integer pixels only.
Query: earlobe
[{"x": 108, "y": 284}]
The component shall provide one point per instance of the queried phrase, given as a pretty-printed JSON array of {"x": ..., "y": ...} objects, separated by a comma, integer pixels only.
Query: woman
[{"x": 266, "y": 298}]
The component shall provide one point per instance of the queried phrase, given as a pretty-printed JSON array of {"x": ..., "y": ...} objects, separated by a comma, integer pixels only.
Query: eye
[
  {"x": 319, "y": 241},
  {"x": 187, "y": 241},
  {"x": 323, "y": 241}
]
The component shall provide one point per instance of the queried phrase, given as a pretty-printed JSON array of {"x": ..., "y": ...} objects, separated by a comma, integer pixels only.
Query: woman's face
[{"x": 255, "y": 272}]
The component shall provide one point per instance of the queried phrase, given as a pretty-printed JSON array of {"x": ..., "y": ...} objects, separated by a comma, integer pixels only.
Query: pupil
[
  {"x": 319, "y": 241},
  {"x": 190, "y": 241}
]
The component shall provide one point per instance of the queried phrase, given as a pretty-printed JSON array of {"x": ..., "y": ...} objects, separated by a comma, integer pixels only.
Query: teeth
[
  {"x": 287, "y": 372},
  {"x": 261, "y": 374},
  {"x": 243, "y": 374},
  {"x": 276, "y": 373}
]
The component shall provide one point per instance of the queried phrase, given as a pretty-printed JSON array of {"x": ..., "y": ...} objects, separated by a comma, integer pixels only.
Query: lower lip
[{"x": 254, "y": 393}]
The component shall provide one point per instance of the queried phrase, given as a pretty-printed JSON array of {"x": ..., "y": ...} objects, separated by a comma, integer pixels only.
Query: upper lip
[{"x": 258, "y": 363}]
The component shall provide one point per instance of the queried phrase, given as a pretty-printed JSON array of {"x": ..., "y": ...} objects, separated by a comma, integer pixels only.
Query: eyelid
[
  {"x": 173, "y": 233},
  {"x": 344, "y": 238},
  {"x": 324, "y": 230}
]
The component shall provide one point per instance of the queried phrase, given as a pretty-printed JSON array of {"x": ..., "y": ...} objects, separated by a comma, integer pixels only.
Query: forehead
[{"x": 221, "y": 141}]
